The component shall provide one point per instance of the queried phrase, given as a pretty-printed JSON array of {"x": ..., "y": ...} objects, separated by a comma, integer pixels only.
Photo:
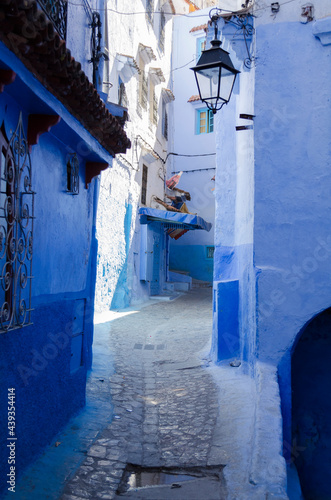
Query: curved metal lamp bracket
[
  {"x": 243, "y": 27},
  {"x": 246, "y": 29}
]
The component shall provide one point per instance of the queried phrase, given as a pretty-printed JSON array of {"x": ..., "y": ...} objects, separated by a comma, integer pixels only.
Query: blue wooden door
[{"x": 155, "y": 281}]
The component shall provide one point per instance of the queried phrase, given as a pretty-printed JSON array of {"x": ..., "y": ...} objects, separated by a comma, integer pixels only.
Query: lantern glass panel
[
  {"x": 227, "y": 81},
  {"x": 208, "y": 82}
]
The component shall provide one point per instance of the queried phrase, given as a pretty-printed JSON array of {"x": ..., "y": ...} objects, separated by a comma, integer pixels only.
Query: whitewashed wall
[{"x": 118, "y": 280}]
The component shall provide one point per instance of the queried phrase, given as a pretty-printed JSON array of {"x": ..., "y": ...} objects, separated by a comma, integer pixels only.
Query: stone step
[{"x": 177, "y": 286}]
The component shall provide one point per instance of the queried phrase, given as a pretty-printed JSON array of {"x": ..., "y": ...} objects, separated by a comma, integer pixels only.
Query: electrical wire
[
  {"x": 180, "y": 67},
  {"x": 165, "y": 74},
  {"x": 188, "y": 156},
  {"x": 79, "y": 4}
]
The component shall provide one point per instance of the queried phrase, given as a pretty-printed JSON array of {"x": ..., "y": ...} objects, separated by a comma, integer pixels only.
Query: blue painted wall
[
  {"x": 292, "y": 204},
  {"x": 121, "y": 296},
  {"x": 192, "y": 259},
  {"x": 273, "y": 209},
  {"x": 47, "y": 361},
  {"x": 234, "y": 218},
  {"x": 272, "y": 205}
]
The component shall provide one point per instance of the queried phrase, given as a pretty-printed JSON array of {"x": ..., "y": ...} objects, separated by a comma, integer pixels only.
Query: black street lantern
[{"x": 215, "y": 73}]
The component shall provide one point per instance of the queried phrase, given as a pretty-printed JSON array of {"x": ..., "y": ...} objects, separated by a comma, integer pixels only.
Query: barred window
[
  {"x": 16, "y": 230},
  {"x": 144, "y": 185},
  {"x": 73, "y": 174}
]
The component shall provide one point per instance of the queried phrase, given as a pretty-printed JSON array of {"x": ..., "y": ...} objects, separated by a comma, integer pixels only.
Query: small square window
[
  {"x": 205, "y": 121},
  {"x": 201, "y": 45},
  {"x": 210, "y": 252},
  {"x": 73, "y": 174}
]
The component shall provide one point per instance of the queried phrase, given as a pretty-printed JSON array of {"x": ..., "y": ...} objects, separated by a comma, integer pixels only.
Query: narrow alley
[
  {"x": 152, "y": 407},
  {"x": 165, "y": 402},
  {"x": 165, "y": 251}
]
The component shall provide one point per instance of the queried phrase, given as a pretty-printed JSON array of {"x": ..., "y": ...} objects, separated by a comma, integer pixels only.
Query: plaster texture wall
[
  {"x": 234, "y": 219},
  {"x": 292, "y": 252},
  {"x": 272, "y": 206},
  {"x": 189, "y": 252},
  {"x": 291, "y": 217},
  {"x": 74, "y": 215},
  {"x": 118, "y": 276},
  {"x": 37, "y": 361},
  {"x": 47, "y": 361}
]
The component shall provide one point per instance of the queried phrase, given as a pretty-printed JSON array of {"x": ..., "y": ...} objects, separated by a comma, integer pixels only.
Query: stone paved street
[
  {"x": 166, "y": 403},
  {"x": 158, "y": 408}
]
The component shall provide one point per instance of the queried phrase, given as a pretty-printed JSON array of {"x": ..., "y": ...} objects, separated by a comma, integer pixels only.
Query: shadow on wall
[
  {"x": 311, "y": 408},
  {"x": 121, "y": 298}
]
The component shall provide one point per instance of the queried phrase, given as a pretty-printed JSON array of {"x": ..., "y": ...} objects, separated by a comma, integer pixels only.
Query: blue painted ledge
[{"x": 322, "y": 30}]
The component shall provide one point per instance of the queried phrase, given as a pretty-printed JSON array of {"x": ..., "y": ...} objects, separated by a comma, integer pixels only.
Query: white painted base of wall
[{"x": 248, "y": 435}]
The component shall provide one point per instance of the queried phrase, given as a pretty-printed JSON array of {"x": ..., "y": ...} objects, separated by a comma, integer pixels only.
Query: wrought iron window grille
[
  {"x": 73, "y": 174},
  {"x": 57, "y": 13},
  {"x": 245, "y": 29},
  {"x": 16, "y": 230},
  {"x": 144, "y": 185}
]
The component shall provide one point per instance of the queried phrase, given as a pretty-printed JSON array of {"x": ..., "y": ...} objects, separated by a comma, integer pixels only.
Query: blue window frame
[
  {"x": 201, "y": 45},
  {"x": 205, "y": 121}
]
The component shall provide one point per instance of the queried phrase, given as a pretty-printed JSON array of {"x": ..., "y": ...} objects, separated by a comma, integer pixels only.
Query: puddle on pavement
[
  {"x": 136, "y": 477},
  {"x": 142, "y": 479}
]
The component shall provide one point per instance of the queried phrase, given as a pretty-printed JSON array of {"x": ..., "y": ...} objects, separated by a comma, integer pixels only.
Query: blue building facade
[
  {"x": 56, "y": 135},
  {"x": 192, "y": 138},
  {"x": 158, "y": 228},
  {"x": 272, "y": 260}
]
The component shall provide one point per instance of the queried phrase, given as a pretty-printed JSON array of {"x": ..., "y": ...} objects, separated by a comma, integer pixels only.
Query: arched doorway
[{"x": 311, "y": 408}]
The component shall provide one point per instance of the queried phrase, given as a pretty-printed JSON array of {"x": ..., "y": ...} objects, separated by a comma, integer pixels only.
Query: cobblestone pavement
[{"x": 166, "y": 405}]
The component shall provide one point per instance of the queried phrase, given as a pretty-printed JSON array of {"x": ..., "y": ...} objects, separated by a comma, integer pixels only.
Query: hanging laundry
[{"x": 173, "y": 181}]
